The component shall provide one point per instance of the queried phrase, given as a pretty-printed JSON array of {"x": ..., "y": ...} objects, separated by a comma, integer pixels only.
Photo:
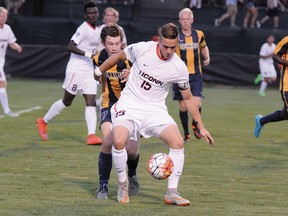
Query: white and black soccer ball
[{"x": 160, "y": 166}]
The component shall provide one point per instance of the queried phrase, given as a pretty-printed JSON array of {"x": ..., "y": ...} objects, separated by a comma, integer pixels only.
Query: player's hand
[
  {"x": 125, "y": 75},
  {"x": 206, "y": 61},
  {"x": 207, "y": 136}
]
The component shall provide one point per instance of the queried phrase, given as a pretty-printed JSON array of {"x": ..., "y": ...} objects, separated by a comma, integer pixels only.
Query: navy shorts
[
  {"x": 105, "y": 115},
  {"x": 196, "y": 86}
]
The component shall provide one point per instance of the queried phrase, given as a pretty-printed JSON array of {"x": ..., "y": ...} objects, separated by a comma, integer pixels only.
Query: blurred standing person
[
  {"x": 232, "y": 10},
  {"x": 280, "y": 56},
  {"x": 7, "y": 38},
  {"x": 191, "y": 45},
  {"x": 272, "y": 12},
  {"x": 251, "y": 10},
  {"x": 112, "y": 85},
  {"x": 79, "y": 75},
  {"x": 111, "y": 15},
  {"x": 266, "y": 64}
]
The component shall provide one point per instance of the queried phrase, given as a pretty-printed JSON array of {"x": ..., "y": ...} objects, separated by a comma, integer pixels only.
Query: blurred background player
[
  {"x": 266, "y": 65},
  {"x": 7, "y": 37},
  {"x": 79, "y": 75},
  {"x": 280, "y": 56},
  {"x": 112, "y": 86},
  {"x": 192, "y": 44}
]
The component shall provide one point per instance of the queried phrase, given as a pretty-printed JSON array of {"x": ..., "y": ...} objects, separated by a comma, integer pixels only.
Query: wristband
[
  {"x": 88, "y": 55},
  {"x": 97, "y": 72}
]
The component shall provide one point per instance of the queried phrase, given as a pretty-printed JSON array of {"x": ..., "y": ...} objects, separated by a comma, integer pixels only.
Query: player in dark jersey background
[
  {"x": 192, "y": 45},
  {"x": 280, "y": 56},
  {"x": 112, "y": 85}
]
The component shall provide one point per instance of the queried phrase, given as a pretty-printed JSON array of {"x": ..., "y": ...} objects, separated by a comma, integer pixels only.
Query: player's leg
[
  {"x": 105, "y": 155},
  {"x": 55, "y": 109},
  {"x": 3, "y": 93},
  {"x": 122, "y": 129},
  {"x": 91, "y": 119},
  {"x": 89, "y": 89},
  {"x": 170, "y": 134},
  {"x": 132, "y": 148}
]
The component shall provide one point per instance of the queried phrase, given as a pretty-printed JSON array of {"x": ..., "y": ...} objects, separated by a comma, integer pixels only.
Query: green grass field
[{"x": 240, "y": 175}]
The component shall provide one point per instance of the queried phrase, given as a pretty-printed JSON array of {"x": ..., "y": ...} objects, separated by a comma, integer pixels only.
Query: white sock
[
  {"x": 263, "y": 86},
  {"x": 91, "y": 119},
  {"x": 120, "y": 159},
  {"x": 4, "y": 100},
  {"x": 177, "y": 156},
  {"x": 54, "y": 110}
]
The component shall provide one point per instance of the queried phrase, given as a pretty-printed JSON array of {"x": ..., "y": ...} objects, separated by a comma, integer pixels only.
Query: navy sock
[
  {"x": 132, "y": 166},
  {"x": 273, "y": 117},
  {"x": 104, "y": 166},
  {"x": 184, "y": 121}
]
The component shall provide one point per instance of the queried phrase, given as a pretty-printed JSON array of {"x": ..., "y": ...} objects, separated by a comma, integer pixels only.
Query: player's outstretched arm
[{"x": 194, "y": 112}]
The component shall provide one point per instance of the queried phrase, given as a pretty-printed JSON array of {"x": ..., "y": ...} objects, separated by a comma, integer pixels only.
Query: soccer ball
[{"x": 160, "y": 166}]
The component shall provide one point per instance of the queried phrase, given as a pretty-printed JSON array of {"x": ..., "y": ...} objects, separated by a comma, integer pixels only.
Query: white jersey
[
  {"x": 265, "y": 50},
  {"x": 149, "y": 80},
  {"x": 6, "y": 37},
  {"x": 88, "y": 40}
]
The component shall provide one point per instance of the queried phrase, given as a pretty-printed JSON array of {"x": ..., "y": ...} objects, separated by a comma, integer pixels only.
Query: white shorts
[
  {"x": 83, "y": 82},
  {"x": 139, "y": 118},
  {"x": 268, "y": 70},
  {"x": 2, "y": 73}
]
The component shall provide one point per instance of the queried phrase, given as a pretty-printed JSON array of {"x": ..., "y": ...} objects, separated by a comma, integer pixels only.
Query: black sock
[
  {"x": 184, "y": 121},
  {"x": 132, "y": 166},
  {"x": 104, "y": 166},
  {"x": 273, "y": 117}
]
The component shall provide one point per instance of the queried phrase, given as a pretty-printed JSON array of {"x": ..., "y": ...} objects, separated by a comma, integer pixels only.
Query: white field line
[{"x": 26, "y": 110}]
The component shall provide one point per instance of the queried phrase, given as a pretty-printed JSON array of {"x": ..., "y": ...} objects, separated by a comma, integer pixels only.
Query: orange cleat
[
  {"x": 42, "y": 128},
  {"x": 175, "y": 199},
  {"x": 93, "y": 140}
]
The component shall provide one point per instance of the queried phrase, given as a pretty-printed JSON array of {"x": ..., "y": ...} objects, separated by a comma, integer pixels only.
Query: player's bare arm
[
  {"x": 206, "y": 55},
  {"x": 194, "y": 112},
  {"x": 279, "y": 60},
  {"x": 109, "y": 63}
]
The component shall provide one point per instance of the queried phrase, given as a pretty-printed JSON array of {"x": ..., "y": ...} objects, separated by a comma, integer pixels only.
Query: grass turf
[{"x": 240, "y": 175}]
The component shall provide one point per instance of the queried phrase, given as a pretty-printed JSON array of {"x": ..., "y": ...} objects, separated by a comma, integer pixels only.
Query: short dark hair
[
  {"x": 89, "y": 4},
  {"x": 111, "y": 30},
  {"x": 169, "y": 30}
]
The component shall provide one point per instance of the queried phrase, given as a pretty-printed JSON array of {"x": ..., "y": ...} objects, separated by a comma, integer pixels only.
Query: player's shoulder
[{"x": 177, "y": 61}]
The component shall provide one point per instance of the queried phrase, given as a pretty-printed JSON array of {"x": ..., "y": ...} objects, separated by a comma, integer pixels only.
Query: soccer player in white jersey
[
  {"x": 141, "y": 107},
  {"x": 266, "y": 64},
  {"x": 7, "y": 37},
  {"x": 79, "y": 75}
]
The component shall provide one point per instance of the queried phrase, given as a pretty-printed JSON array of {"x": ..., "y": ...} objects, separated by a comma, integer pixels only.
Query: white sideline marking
[{"x": 25, "y": 111}]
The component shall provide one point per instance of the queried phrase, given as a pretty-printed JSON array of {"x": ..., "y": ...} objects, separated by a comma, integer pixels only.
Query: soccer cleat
[
  {"x": 93, "y": 140},
  {"x": 122, "y": 194},
  {"x": 134, "y": 187},
  {"x": 258, "y": 79},
  {"x": 12, "y": 114},
  {"x": 262, "y": 94},
  {"x": 196, "y": 131},
  {"x": 175, "y": 199},
  {"x": 42, "y": 128},
  {"x": 186, "y": 138},
  {"x": 102, "y": 192},
  {"x": 258, "y": 126}
]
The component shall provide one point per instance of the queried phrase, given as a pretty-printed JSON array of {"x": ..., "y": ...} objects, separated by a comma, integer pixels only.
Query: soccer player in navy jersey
[
  {"x": 280, "y": 56},
  {"x": 191, "y": 46},
  {"x": 112, "y": 85}
]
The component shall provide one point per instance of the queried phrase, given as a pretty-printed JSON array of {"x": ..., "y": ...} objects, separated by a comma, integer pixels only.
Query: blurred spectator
[
  {"x": 14, "y": 6},
  {"x": 251, "y": 10},
  {"x": 272, "y": 11},
  {"x": 231, "y": 6},
  {"x": 195, "y": 3}
]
